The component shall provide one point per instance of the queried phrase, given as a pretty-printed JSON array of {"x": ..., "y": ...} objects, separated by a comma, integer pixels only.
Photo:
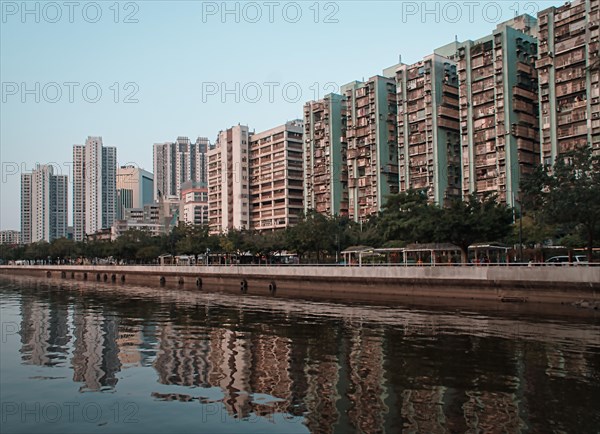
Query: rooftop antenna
[
  {"x": 399, "y": 58},
  {"x": 455, "y": 38}
]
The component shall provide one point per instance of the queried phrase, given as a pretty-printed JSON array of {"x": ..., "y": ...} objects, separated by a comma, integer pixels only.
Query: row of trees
[
  {"x": 562, "y": 203},
  {"x": 407, "y": 218}
]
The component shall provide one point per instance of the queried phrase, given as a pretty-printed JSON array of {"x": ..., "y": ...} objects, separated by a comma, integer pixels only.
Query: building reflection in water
[
  {"x": 35, "y": 332},
  {"x": 339, "y": 375},
  {"x": 96, "y": 353}
]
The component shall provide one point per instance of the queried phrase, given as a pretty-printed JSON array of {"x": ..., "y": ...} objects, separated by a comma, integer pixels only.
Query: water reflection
[{"x": 342, "y": 369}]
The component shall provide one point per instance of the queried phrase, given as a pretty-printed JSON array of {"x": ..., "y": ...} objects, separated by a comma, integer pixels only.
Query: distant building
[
  {"x": 178, "y": 162},
  {"x": 569, "y": 78},
  {"x": 155, "y": 219},
  {"x": 325, "y": 148},
  {"x": 104, "y": 234},
  {"x": 44, "y": 205},
  {"x": 94, "y": 187},
  {"x": 228, "y": 183},
  {"x": 194, "y": 203},
  {"x": 10, "y": 237},
  {"x": 168, "y": 212},
  {"x": 276, "y": 177},
  {"x": 135, "y": 188}
]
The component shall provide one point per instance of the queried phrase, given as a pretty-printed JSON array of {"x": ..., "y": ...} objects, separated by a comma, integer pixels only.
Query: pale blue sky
[{"x": 176, "y": 57}]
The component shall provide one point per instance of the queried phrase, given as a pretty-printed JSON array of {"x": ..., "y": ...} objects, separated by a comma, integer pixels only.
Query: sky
[{"x": 144, "y": 72}]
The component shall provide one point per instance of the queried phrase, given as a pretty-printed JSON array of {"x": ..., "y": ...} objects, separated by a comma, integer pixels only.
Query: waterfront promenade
[{"x": 560, "y": 284}]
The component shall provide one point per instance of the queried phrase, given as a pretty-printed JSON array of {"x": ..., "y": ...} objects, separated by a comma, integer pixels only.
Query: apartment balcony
[
  {"x": 571, "y": 131},
  {"x": 523, "y": 131},
  {"x": 448, "y": 112},
  {"x": 528, "y": 118},
  {"x": 569, "y": 88},
  {"x": 526, "y": 145},
  {"x": 528, "y": 158},
  {"x": 487, "y": 185},
  {"x": 519, "y": 91},
  {"x": 569, "y": 44},
  {"x": 453, "y": 90},
  {"x": 571, "y": 59},
  {"x": 544, "y": 62},
  {"x": 524, "y": 68},
  {"x": 522, "y": 106},
  {"x": 452, "y": 124}
]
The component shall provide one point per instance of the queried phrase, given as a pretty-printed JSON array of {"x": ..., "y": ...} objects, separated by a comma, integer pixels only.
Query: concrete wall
[{"x": 562, "y": 284}]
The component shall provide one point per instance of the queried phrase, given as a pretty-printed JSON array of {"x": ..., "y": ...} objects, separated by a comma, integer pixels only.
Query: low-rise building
[
  {"x": 10, "y": 237},
  {"x": 194, "y": 203}
]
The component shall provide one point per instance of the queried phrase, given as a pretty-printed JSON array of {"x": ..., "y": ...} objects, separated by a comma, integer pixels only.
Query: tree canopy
[{"x": 568, "y": 194}]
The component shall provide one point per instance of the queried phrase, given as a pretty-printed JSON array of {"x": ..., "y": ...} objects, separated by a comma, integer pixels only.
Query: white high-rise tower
[
  {"x": 44, "y": 205},
  {"x": 94, "y": 187}
]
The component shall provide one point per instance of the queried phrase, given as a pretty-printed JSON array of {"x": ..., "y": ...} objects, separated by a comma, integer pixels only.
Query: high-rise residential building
[
  {"x": 26, "y": 210},
  {"x": 228, "y": 183},
  {"x": 178, "y": 162},
  {"x": 194, "y": 203},
  {"x": 94, "y": 187},
  {"x": 325, "y": 147},
  {"x": 276, "y": 177},
  {"x": 569, "y": 78},
  {"x": 44, "y": 205},
  {"x": 498, "y": 109},
  {"x": 10, "y": 237},
  {"x": 428, "y": 126},
  {"x": 372, "y": 156},
  {"x": 135, "y": 188}
]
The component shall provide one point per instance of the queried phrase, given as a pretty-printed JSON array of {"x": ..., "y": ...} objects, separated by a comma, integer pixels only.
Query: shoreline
[{"x": 498, "y": 285}]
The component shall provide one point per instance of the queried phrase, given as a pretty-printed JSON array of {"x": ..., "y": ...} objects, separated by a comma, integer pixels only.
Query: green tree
[
  {"x": 473, "y": 220},
  {"x": 62, "y": 248},
  {"x": 194, "y": 239},
  {"x": 568, "y": 193},
  {"x": 148, "y": 253},
  {"x": 314, "y": 233},
  {"x": 37, "y": 251},
  {"x": 408, "y": 217}
]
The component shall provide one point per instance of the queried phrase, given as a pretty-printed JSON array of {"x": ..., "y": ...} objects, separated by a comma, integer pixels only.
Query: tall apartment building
[
  {"x": 428, "y": 126},
  {"x": 135, "y": 188},
  {"x": 569, "y": 78},
  {"x": 498, "y": 109},
  {"x": 178, "y": 162},
  {"x": 10, "y": 237},
  {"x": 44, "y": 205},
  {"x": 194, "y": 203},
  {"x": 228, "y": 183},
  {"x": 325, "y": 147},
  {"x": 94, "y": 187},
  {"x": 372, "y": 156},
  {"x": 276, "y": 176}
]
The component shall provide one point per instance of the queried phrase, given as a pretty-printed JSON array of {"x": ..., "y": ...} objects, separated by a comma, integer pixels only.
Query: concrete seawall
[{"x": 389, "y": 283}]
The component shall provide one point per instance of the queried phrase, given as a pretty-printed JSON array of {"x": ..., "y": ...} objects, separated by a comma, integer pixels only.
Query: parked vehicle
[{"x": 564, "y": 260}]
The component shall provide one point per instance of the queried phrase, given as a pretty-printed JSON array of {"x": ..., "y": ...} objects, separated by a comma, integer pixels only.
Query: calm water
[{"x": 100, "y": 358}]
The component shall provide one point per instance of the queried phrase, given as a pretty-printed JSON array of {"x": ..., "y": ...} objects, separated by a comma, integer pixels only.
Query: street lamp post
[{"x": 520, "y": 232}]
